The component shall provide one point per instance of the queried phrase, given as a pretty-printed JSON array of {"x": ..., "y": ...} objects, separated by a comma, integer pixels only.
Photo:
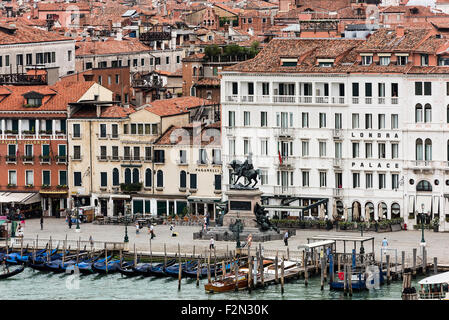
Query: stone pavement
[{"x": 437, "y": 243}]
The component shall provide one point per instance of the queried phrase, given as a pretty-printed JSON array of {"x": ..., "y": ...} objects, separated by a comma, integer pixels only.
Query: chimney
[{"x": 399, "y": 31}]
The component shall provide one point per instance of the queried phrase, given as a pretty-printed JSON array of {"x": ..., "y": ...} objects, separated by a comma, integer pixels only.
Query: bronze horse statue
[{"x": 244, "y": 170}]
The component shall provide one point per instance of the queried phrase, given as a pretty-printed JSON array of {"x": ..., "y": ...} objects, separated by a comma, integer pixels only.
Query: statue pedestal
[{"x": 241, "y": 205}]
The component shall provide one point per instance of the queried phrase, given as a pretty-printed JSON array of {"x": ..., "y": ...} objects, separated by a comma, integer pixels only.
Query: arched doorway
[
  {"x": 382, "y": 210},
  {"x": 395, "y": 211},
  {"x": 340, "y": 208},
  {"x": 356, "y": 211},
  {"x": 369, "y": 208}
]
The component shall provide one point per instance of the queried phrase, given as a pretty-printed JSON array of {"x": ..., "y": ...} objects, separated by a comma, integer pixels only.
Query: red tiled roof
[
  {"x": 175, "y": 106},
  {"x": 62, "y": 6},
  {"x": 106, "y": 112},
  {"x": 85, "y": 48},
  {"x": 27, "y": 34},
  {"x": 56, "y": 97},
  {"x": 176, "y": 135}
]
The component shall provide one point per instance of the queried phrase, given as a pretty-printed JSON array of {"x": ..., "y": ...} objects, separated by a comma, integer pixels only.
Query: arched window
[
  {"x": 369, "y": 211},
  {"x": 127, "y": 175},
  {"x": 201, "y": 71},
  {"x": 418, "y": 113},
  {"x": 182, "y": 179},
  {"x": 424, "y": 185},
  {"x": 395, "y": 211},
  {"x": 160, "y": 178},
  {"x": 427, "y": 113},
  {"x": 194, "y": 71},
  {"x": 340, "y": 208},
  {"x": 383, "y": 210},
  {"x": 148, "y": 178},
  {"x": 135, "y": 175},
  {"x": 428, "y": 150},
  {"x": 115, "y": 177},
  {"x": 419, "y": 149}
]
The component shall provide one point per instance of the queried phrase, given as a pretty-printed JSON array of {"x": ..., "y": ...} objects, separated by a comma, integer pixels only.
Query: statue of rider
[{"x": 247, "y": 165}]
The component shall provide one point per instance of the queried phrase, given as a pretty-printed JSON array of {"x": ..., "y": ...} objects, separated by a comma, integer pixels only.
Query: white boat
[
  {"x": 271, "y": 269},
  {"x": 434, "y": 287}
]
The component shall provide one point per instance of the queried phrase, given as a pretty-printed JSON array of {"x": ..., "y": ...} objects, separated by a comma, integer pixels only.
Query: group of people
[{"x": 150, "y": 229}]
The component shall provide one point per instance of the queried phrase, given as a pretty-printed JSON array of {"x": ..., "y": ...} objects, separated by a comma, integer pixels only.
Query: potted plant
[
  {"x": 435, "y": 224},
  {"x": 301, "y": 224}
]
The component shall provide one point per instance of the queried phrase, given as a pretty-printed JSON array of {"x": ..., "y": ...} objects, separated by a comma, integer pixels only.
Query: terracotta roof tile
[
  {"x": 27, "y": 34},
  {"x": 111, "y": 46},
  {"x": 176, "y": 105}
]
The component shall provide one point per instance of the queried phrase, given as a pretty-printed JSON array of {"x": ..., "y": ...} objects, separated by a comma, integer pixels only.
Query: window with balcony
[
  {"x": 136, "y": 175},
  {"x": 428, "y": 150},
  {"x": 265, "y": 88},
  {"x": 127, "y": 176},
  {"x": 28, "y": 152},
  {"x": 419, "y": 149},
  {"x": 102, "y": 130}
]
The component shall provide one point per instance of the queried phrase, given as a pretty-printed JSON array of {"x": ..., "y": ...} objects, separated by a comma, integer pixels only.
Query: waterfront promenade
[{"x": 437, "y": 244}]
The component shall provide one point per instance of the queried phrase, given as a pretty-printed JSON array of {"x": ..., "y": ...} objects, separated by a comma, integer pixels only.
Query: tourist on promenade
[
  {"x": 249, "y": 240},
  {"x": 212, "y": 243},
  {"x": 151, "y": 230},
  {"x": 91, "y": 240},
  {"x": 384, "y": 243},
  {"x": 42, "y": 222},
  {"x": 19, "y": 231},
  {"x": 69, "y": 217},
  {"x": 137, "y": 227},
  {"x": 286, "y": 238}
]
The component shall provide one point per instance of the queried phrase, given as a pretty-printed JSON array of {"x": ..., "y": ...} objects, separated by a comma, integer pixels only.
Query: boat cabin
[{"x": 435, "y": 287}]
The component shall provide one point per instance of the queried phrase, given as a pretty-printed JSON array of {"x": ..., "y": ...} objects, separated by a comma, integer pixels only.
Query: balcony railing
[
  {"x": 287, "y": 99},
  {"x": 284, "y": 99},
  {"x": 201, "y": 162},
  {"x": 61, "y": 159},
  {"x": 394, "y": 100},
  {"x": 338, "y": 192},
  {"x": 337, "y": 163},
  {"x": 284, "y": 190},
  {"x": 337, "y": 133},
  {"x": 284, "y": 132},
  {"x": 232, "y": 98},
  {"x": 381, "y": 100},
  {"x": 355, "y": 100},
  {"x": 28, "y": 158},
  {"x": 181, "y": 162},
  {"x": 368, "y": 100},
  {"x": 131, "y": 187},
  {"x": 44, "y": 159},
  {"x": 11, "y": 158},
  {"x": 285, "y": 161},
  {"x": 247, "y": 98},
  {"x": 321, "y": 99}
]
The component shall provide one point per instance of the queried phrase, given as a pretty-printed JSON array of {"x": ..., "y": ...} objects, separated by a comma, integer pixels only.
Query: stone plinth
[{"x": 241, "y": 204}]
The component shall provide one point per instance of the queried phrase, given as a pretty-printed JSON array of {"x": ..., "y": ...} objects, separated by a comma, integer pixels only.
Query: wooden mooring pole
[
  {"x": 276, "y": 263},
  {"x": 388, "y": 269},
  {"x": 402, "y": 263},
  {"x": 180, "y": 268},
  {"x": 414, "y": 262},
  {"x": 282, "y": 275},
  {"x": 198, "y": 272},
  {"x": 322, "y": 274},
  {"x": 350, "y": 279},
  {"x": 345, "y": 280},
  {"x": 165, "y": 256},
  {"x": 424, "y": 260}
]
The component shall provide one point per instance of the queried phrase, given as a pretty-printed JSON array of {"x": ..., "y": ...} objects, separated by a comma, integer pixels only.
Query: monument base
[{"x": 241, "y": 204}]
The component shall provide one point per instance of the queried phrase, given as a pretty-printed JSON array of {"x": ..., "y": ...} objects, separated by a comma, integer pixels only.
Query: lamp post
[
  {"x": 77, "y": 206},
  {"x": 126, "y": 240},
  {"x": 422, "y": 215}
]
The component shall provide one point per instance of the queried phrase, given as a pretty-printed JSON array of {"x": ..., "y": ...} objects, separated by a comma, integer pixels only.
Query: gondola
[
  {"x": 127, "y": 269},
  {"x": 10, "y": 273},
  {"x": 25, "y": 258},
  {"x": 85, "y": 267},
  {"x": 173, "y": 271},
  {"x": 146, "y": 269},
  {"x": 57, "y": 266},
  {"x": 112, "y": 266},
  {"x": 192, "y": 272},
  {"x": 159, "y": 269}
]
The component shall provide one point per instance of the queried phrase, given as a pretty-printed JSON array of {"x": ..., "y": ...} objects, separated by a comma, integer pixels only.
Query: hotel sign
[
  {"x": 24, "y": 141},
  {"x": 379, "y": 135},
  {"x": 207, "y": 170},
  {"x": 371, "y": 165}
]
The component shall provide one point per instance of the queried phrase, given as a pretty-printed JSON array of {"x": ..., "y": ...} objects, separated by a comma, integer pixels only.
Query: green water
[{"x": 33, "y": 285}]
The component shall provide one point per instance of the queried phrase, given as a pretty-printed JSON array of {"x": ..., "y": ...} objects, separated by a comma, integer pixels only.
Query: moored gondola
[
  {"x": 9, "y": 272},
  {"x": 173, "y": 271}
]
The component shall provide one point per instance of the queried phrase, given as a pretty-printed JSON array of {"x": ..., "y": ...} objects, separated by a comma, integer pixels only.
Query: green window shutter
[
  {"x": 137, "y": 206},
  {"x": 45, "y": 149},
  {"x": 147, "y": 206},
  {"x": 161, "y": 207}
]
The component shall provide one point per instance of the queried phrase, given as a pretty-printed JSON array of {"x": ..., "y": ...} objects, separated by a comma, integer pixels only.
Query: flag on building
[{"x": 280, "y": 157}]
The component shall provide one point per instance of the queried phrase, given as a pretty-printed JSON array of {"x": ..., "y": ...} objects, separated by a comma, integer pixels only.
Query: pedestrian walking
[
  {"x": 212, "y": 243},
  {"x": 286, "y": 238},
  {"x": 19, "y": 231},
  {"x": 91, "y": 240},
  {"x": 249, "y": 240},
  {"x": 69, "y": 217},
  {"x": 151, "y": 230},
  {"x": 384, "y": 243},
  {"x": 42, "y": 222},
  {"x": 137, "y": 227}
]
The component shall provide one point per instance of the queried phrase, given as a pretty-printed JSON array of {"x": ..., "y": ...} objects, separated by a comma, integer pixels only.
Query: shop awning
[
  {"x": 204, "y": 199},
  {"x": 19, "y": 197},
  {"x": 52, "y": 192}
]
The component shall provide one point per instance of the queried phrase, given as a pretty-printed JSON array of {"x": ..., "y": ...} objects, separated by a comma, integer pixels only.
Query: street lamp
[
  {"x": 422, "y": 218},
  {"x": 126, "y": 223},
  {"x": 77, "y": 206}
]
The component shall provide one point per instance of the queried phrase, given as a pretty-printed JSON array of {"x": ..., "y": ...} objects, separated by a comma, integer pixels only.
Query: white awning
[
  {"x": 19, "y": 197},
  {"x": 436, "y": 205},
  {"x": 438, "y": 278},
  {"x": 366, "y": 54},
  {"x": 316, "y": 244},
  {"x": 401, "y": 54},
  {"x": 384, "y": 54},
  {"x": 411, "y": 204},
  {"x": 426, "y": 200},
  {"x": 204, "y": 199}
]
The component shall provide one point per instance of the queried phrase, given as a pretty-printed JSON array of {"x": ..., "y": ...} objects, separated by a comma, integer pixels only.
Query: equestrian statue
[{"x": 245, "y": 169}]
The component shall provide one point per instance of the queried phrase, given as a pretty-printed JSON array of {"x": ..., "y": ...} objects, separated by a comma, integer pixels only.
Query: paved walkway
[{"x": 437, "y": 243}]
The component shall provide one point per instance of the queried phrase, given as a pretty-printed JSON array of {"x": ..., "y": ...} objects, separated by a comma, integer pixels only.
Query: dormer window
[
  {"x": 384, "y": 59},
  {"x": 33, "y": 99},
  {"x": 424, "y": 60},
  {"x": 325, "y": 62},
  {"x": 367, "y": 60},
  {"x": 289, "y": 62},
  {"x": 402, "y": 59}
]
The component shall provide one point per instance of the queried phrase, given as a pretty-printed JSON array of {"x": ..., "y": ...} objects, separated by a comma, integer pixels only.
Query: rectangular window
[
  {"x": 63, "y": 178},
  {"x": 193, "y": 184},
  {"x": 7, "y": 60},
  {"x": 69, "y": 55},
  {"x": 305, "y": 120},
  {"x": 338, "y": 121},
  {"x": 77, "y": 152},
  {"x": 394, "y": 181},
  {"x": 356, "y": 180},
  {"x": 368, "y": 121},
  {"x": 305, "y": 178},
  {"x": 125, "y": 129},
  {"x": 402, "y": 60},
  {"x": 29, "y": 177},
  {"x": 305, "y": 148},
  {"x": 231, "y": 147},
  {"x": 367, "y": 60},
  {"x": 133, "y": 128},
  {"x": 28, "y": 150},
  {"x": 263, "y": 119},
  {"x": 368, "y": 150},
  {"x": 235, "y": 88},
  {"x": 381, "y": 121},
  {"x": 381, "y": 89},
  {"x": 427, "y": 88},
  {"x": 246, "y": 118},
  {"x": 12, "y": 177},
  {"x": 322, "y": 120},
  {"x": 202, "y": 156},
  {"x": 19, "y": 59},
  {"x": 263, "y": 177},
  {"x": 115, "y": 153},
  {"x": 127, "y": 153},
  {"x": 369, "y": 180},
  {"x": 418, "y": 88},
  {"x": 424, "y": 59},
  {"x": 103, "y": 155},
  {"x": 355, "y": 150},
  {"x": 217, "y": 181},
  {"x": 77, "y": 179},
  {"x": 382, "y": 181},
  {"x": 264, "y": 147},
  {"x": 46, "y": 177},
  {"x": 355, "y": 89},
  {"x": 394, "y": 151},
  {"x": 216, "y": 156},
  {"x": 265, "y": 88},
  {"x": 323, "y": 179},
  {"x": 140, "y": 128},
  {"x": 231, "y": 119},
  {"x": 355, "y": 121},
  {"x": 322, "y": 147},
  {"x": 102, "y": 130},
  {"x": 159, "y": 156},
  {"x": 114, "y": 130},
  {"x": 368, "y": 89},
  {"x": 167, "y": 60},
  {"x": 246, "y": 146},
  {"x": 394, "y": 121},
  {"x": 381, "y": 150},
  {"x": 142, "y": 62},
  {"x": 384, "y": 61},
  {"x": 338, "y": 151},
  {"x": 62, "y": 150},
  {"x": 136, "y": 152},
  {"x": 117, "y": 79},
  {"x": 104, "y": 179}
]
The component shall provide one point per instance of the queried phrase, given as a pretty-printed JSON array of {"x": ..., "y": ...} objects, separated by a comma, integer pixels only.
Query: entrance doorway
[
  {"x": 119, "y": 207},
  {"x": 210, "y": 209},
  {"x": 104, "y": 207},
  {"x": 55, "y": 206}
]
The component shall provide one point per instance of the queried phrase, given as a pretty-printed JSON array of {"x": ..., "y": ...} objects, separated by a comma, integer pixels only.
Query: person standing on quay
[
  {"x": 69, "y": 217},
  {"x": 151, "y": 230},
  {"x": 212, "y": 243},
  {"x": 286, "y": 238}
]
